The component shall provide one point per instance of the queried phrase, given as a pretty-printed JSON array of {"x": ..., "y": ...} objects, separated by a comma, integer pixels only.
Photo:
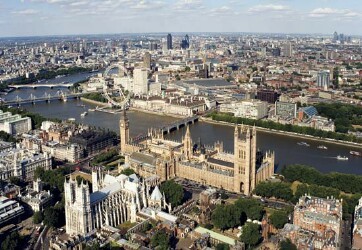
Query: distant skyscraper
[
  {"x": 276, "y": 52},
  {"x": 287, "y": 49},
  {"x": 335, "y": 36},
  {"x": 147, "y": 60},
  {"x": 140, "y": 81},
  {"x": 153, "y": 46},
  {"x": 185, "y": 43},
  {"x": 169, "y": 41},
  {"x": 323, "y": 79}
]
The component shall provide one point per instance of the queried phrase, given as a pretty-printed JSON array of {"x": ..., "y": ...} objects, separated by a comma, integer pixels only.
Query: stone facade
[
  {"x": 317, "y": 224},
  {"x": 112, "y": 201},
  {"x": 235, "y": 172}
]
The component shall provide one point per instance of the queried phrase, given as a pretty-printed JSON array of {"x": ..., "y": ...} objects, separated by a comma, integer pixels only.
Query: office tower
[
  {"x": 140, "y": 81},
  {"x": 276, "y": 52},
  {"x": 153, "y": 46},
  {"x": 323, "y": 79},
  {"x": 169, "y": 41},
  {"x": 335, "y": 36},
  {"x": 147, "y": 60},
  {"x": 287, "y": 49},
  {"x": 185, "y": 43}
]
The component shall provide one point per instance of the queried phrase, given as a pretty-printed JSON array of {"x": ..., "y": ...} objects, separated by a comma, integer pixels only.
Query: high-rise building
[
  {"x": 267, "y": 95},
  {"x": 153, "y": 46},
  {"x": 335, "y": 36},
  {"x": 147, "y": 60},
  {"x": 287, "y": 49},
  {"x": 169, "y": 41},
  {"x": 323, "y": 79},
  {"x": 140, "y": 81},
  {"x": 185, "y": 43}
]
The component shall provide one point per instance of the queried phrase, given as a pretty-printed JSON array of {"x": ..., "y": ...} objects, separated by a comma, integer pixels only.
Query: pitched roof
[{"x": 156, "y": 194}]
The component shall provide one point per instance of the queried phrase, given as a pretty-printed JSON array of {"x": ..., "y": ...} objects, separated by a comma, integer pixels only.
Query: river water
[{"x": 286, "y": 149}]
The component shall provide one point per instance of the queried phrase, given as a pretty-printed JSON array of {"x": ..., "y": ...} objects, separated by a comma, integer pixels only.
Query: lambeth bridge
[{"x": 166, "y": 129}]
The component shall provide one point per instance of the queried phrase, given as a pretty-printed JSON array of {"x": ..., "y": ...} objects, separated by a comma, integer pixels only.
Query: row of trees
[
  {"x": 227, "y": 117},
  {"x": 277, "y": 190},
  {"x": 98, "y": 97},
  {"x": 47, "y": 74},
  {"x": 343, "y": 182},
  {"x": 107, "y": 157},
  {"x": 344, "y": 115}
]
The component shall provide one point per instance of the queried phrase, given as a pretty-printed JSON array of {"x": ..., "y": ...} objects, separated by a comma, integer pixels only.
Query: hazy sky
[{"x": 48, "y": 17}]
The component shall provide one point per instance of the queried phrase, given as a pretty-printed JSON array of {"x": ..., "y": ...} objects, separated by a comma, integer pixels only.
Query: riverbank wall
[
  {"x": 157, "y": 113},
  {"x": 290, "y": 134}
]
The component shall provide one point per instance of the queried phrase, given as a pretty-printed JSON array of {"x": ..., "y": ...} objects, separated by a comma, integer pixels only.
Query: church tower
[
  {"x": 187, "y": 141},
  {"x": 124, "y": 130},
  {"x": 244, "y": 160},
  {"x": 77, "y": 207}
]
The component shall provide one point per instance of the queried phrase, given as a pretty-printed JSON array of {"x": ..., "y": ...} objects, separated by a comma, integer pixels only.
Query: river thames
[{"x": 286, "y": 149}]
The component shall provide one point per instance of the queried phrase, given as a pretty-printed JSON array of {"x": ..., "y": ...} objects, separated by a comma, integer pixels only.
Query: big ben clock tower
[{"x": 124, "y": 130}]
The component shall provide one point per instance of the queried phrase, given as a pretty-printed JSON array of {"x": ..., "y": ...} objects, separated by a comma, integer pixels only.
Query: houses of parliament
[{"x": 238, "y": 172}]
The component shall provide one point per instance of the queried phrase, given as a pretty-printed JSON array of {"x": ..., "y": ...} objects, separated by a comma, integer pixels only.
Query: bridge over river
[{"x": 42, "y": 85}]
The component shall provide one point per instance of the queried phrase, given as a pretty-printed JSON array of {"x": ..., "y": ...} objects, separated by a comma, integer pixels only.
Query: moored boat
[{"x": 355, "y": 153}]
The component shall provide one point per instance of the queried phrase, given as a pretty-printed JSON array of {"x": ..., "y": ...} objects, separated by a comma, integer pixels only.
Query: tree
[
  {"x": 6, "y": 137},
  {"x": 160, "y": 240},
  {"x": 278, "y": 219},
  {"x": 174, "y": 192},
  {"x": 94, "y": 246},
  {"x": 287, "y": 245},
  {"x": 15, "y": 180},
  {"x": 222, "y": 246},
  {"x": 51, "y": 217},
  {"x": 128, "y": 171},
  {"x": 38, "y": 217},
  {"x": 252, "y": 208},
  {"x": 250, "y": 234},
  {"x": 218, "y": 217},
  {"x": 11, "y": 242}
]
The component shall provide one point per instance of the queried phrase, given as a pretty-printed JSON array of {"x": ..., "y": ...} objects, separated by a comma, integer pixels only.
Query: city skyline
[{"x": 63, "y": 17}]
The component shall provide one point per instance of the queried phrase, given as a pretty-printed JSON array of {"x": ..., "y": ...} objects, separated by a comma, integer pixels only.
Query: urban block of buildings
[
  {"x": 317, "y": 224},
  {"x": 21, "y": 163}
]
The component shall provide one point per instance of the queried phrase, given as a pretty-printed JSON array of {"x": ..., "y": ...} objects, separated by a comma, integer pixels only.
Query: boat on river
[
  {"x": 83, "y": 114},
  {"x": 303, "y": 144},
  {"x": 342, "y": 158},
  {"x": 322, "y": 147}
]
